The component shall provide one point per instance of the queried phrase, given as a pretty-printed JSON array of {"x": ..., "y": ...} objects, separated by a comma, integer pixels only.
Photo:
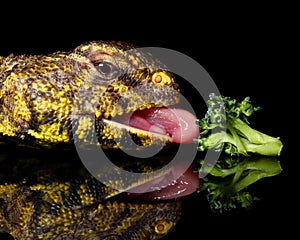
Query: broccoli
[
  {"x": 226, "y": 125},
  {"x": 246, "y": 155},
  {"x": 227, "y": 186}
]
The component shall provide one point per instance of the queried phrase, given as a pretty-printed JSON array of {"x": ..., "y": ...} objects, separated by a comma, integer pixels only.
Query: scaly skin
[
  {"x": 65, "y": 96},
  {"x": 76, "y": 207},
  {"x": 73, "y": 96}
]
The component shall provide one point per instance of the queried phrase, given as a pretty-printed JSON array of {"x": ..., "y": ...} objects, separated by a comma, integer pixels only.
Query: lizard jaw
[
  {"x": 173, "y": 124},
  {"x": 166, "y": 187}
]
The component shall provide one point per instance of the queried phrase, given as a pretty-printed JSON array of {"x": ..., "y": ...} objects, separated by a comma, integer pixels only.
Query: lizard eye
[{"x": 107, "y": 70}]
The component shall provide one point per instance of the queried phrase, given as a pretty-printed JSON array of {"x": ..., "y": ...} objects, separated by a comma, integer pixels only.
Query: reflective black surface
[{"x": 243, "y": 56}]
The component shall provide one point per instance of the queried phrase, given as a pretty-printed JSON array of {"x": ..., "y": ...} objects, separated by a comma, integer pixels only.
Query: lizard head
[
  {"x": 124, "y": 92},
  {"x": 105, "y": 220},
  {"x": 147, "y": 221},
  {"x": 48, "y": 201},
  {"x": 109, "y": 91}
]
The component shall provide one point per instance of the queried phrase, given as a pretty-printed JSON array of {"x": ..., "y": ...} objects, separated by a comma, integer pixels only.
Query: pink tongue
[
  {"x": 167, "y": 187},
  {"x": 177, "y": 123},
  {"x": 181, "y": 126}
]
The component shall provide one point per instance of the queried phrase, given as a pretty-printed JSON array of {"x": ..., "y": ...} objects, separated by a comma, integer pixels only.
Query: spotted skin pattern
[
  {"x": 49, "y": 99},
  {"x": 67, "y": 97},
  {"x": 79, "y": 210}
]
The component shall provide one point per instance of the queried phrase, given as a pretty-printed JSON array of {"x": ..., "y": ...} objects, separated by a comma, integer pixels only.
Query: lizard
[
  {"x": 38, "y": 202},
  {"x": 101, "y": 90}
]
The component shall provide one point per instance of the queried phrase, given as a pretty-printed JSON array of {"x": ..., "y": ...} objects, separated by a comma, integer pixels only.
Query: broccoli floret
[
  {"x": 225, "y": 127},
  {"x": 228, "y": 181}
]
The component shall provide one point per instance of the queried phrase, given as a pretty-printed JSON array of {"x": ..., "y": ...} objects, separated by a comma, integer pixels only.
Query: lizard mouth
[
  {"x": 176, "y": 125},
  {"x": 165, "y": 187},
  {"x": 180, "y": 127}
]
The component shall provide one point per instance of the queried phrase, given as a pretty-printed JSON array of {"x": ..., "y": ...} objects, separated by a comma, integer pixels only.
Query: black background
[{"x": 243, "y": 48}]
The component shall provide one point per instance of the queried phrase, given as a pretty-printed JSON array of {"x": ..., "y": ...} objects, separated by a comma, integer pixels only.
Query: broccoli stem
[
  {"x": 227, "y": 187},
  {"x": 252, "y": 177},
  {"x": 255, "y": 141},
  {"x": 268, "y": 149},
  {"x": 245, "y": 139},
  {"x": 251, "y": 134},
  {"x": 215, "y": 140},
  {"x": 258, "y": 168},
  {"x": 236, "y": 140}
]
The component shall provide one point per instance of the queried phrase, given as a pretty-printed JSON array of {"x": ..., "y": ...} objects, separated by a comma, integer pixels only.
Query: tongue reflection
[
  {"x": 166, "y": 187},
  {"x": 181, "y": 126},
  {"x": 176, "y": 123}
]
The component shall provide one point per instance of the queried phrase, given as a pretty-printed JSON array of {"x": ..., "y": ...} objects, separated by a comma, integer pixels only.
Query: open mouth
[
  {"x": 180, "y": 127},
  {"x": 166, "y": 187},
  {"x": 177, "y": 125}
]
